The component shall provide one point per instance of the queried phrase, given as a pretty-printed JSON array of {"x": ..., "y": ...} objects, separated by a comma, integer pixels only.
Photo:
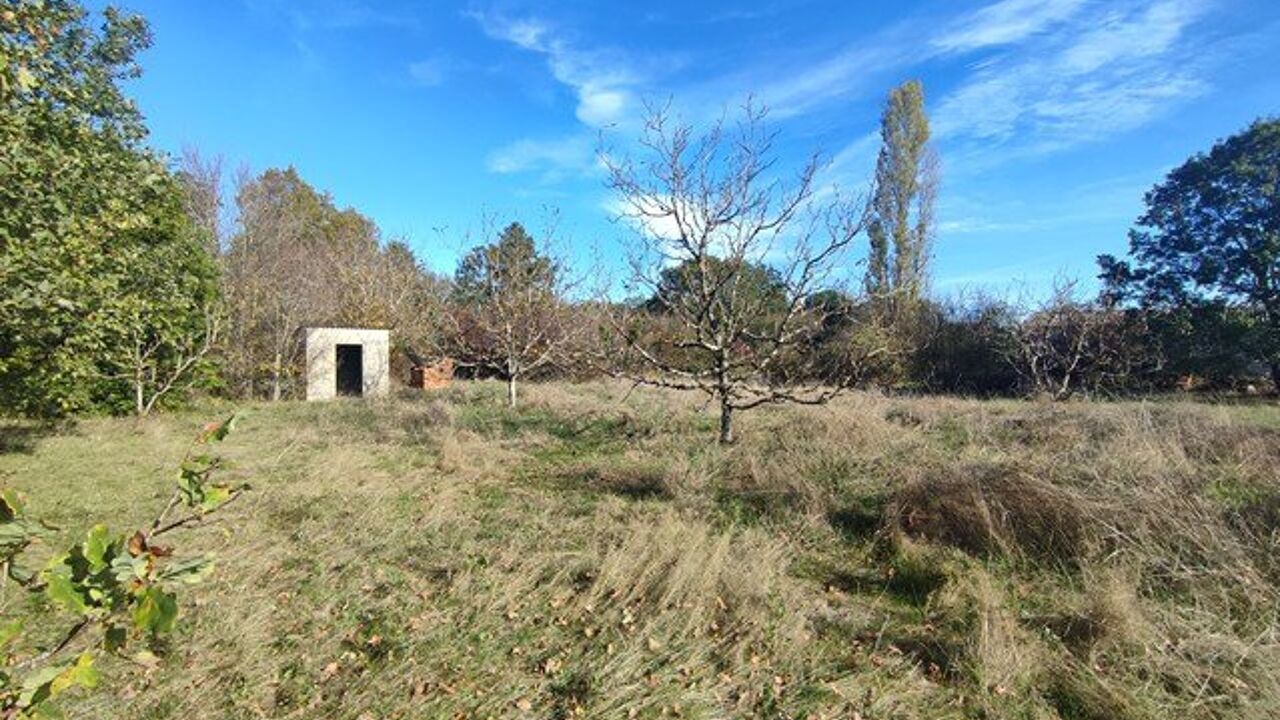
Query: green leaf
[
  {"x": 96, "y": 546},
  {"x": 62, "y": 590},
  {"x": 156, "y": 612},
  {"x": 9, "y": 631},
  {"x": 20, "y": 573},
  {"x": 188, "y": 571},
  {"x": 83, "y": 674},
  {"x": 16, "y": 535},
  {"x": 127, "y": 568},
  {"x": 26, "y": 79},
  {"x": 115, "y": 638},
  {"x": 214, "y": 496},
  {"x": 11, "y": 505},
  {"x": 49, "y": 682}
]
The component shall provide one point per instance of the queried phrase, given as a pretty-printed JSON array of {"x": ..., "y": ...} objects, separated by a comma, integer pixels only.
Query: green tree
[
  {"x": 683, "y": 284},
  {"x": 1211, "y": 236},
  {"x": 512, "y": 264},
  {"x": 901, "y": 224},
  {"x": 81, "y": 199},
  {"x": 169, "y": 315},
  {"x": 277, "y": 279},
  {"x": 295, "y": 260}
]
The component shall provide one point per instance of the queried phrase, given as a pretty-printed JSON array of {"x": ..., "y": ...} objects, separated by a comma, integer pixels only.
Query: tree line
[{"x": 131, "y": 282}]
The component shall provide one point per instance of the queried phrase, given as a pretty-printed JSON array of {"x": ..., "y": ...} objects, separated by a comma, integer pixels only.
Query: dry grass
[{"x": 592, "y": 554}]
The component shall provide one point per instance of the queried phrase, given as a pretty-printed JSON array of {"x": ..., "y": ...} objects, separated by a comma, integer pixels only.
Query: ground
[{"x": 593, "y": 553}]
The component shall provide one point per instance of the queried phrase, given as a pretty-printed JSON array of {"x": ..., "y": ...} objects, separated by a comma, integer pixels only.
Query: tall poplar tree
[{"x": 901, "y": 225}]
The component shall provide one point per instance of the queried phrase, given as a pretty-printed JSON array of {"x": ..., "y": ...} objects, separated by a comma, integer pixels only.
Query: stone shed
[{"x": 347, "y": 362}]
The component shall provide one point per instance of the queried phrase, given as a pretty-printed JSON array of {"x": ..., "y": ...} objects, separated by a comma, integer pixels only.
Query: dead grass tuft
[
  {"x": 637, "y": 481},
  {"x": 994, "y": 510}
]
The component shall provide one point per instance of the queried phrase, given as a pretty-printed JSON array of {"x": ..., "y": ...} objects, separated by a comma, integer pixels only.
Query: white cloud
[
  {"x": 554, "y": 158},
  {"x": 1095, "y": 78},
  {"x": 602, "y": 79},
  {"x": 1003, "y": 23},
  {"x": 601, "y": 106},
  {"x": 649, "y": 218},
  {"x": 1117, "y": 36},
  {"x": 849, "y": 173},
  {"x": 1054, "y": 74},
  {"x": 794, "y": 88},
  {"x": 803, "y": 89}
]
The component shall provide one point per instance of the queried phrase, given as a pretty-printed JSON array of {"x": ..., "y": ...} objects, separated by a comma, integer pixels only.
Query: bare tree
[
  {"x": 276, "y": 279},
  {"x": 1066, "y": 344},
  {"x": 201, "y": 179},
  {"x": 511, "y": 314},
  {"x": 411, "y": 299},
  {"x": 162, "y": 363},
  {"x": 297, "y": 260},
  {"x": 731, "y": 258}
]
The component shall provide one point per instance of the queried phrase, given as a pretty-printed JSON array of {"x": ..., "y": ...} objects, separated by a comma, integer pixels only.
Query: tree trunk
[
  {"x": 511, "y": 390},
  {"x": 1275, "y": 377},
  {"x": 139, "y": 404},
  {"x": 726, "y": 422},
  {"x": 275, "y": 378}
]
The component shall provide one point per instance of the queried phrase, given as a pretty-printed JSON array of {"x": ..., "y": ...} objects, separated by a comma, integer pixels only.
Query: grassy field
[{"x": 593, "y": 554}]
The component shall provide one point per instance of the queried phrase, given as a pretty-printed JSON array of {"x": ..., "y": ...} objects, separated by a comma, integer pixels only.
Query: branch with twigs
[{"x": 117, "y": 585}]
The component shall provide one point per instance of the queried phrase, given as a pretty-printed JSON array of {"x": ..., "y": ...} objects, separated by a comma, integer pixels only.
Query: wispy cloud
[
  {"x": 1097, "y": 76},
  {"x": 1040, "y": 76},
  {"x": 1113, "y": 199},
  {"x": 1004, "y": 22},
  {"x": 803, "y": 89},
  {"x": 1010, "y": 280},
  {"x": 553, "y": 158},
  {"x": 849, "y": 172},
  {"x": 791, "y": 82},
  {"x": 602, "y": 79},
  {"x": 430, "y": 72}
]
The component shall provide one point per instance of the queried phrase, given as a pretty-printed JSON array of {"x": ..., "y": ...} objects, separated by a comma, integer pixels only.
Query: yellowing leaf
[
  {"x": 156, "y": 612},
  {"x": 96, "y": 545}
]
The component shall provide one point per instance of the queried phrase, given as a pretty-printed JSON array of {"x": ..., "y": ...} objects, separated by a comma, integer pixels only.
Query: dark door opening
[{"x": 350, "y": 370}]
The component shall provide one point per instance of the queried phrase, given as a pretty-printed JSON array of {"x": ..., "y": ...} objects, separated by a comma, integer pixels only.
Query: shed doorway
[{"x": 350, "y": 370}]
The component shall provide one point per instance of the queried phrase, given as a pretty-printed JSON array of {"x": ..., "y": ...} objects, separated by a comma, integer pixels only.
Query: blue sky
[{"x": 1051, "y": 117}]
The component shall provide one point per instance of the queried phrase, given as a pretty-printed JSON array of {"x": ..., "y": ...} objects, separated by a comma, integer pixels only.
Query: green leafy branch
[{"x": 119, "y": 588}]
